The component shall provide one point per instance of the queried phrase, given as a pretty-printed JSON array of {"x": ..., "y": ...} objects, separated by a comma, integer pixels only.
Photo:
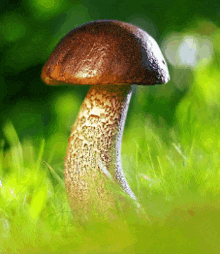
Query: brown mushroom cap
[{"x": 106, "y": 52}]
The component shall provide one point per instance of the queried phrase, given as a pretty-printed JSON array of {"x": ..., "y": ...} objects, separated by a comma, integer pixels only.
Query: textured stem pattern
[{"x": 94, "y": 149}]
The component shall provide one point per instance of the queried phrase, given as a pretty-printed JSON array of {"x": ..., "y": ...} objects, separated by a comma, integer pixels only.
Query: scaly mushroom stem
[{"x": 94, "y": 149}]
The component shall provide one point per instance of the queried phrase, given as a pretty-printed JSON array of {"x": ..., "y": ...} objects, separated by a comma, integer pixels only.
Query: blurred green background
[
  {"x": 170, "y": 149},
  {"x": 187, "y": 32}
]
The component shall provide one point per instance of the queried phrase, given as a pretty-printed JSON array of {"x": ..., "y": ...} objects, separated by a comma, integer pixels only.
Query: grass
[{"x": 177, "y": 187}]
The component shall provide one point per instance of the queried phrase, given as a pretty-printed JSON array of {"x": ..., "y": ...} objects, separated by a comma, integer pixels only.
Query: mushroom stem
[{"x": 94, "y": 148}]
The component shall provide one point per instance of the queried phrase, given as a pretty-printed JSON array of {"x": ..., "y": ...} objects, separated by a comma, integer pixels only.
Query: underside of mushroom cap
[{"x": 106, "y": 52}]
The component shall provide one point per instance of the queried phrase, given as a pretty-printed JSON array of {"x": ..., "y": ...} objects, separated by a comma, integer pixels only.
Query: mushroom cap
[{"x": 106, "y": 52}]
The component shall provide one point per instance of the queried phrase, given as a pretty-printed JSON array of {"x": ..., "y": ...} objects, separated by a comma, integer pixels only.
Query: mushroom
[{"x": 110, "y": 56}]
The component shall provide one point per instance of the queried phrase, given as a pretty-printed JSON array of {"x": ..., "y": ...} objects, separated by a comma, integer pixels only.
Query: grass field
[{"x": 171, "y": 158}]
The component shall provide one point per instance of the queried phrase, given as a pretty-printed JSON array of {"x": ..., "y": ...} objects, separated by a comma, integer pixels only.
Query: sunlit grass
[{"x": 177, "y": 187}]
